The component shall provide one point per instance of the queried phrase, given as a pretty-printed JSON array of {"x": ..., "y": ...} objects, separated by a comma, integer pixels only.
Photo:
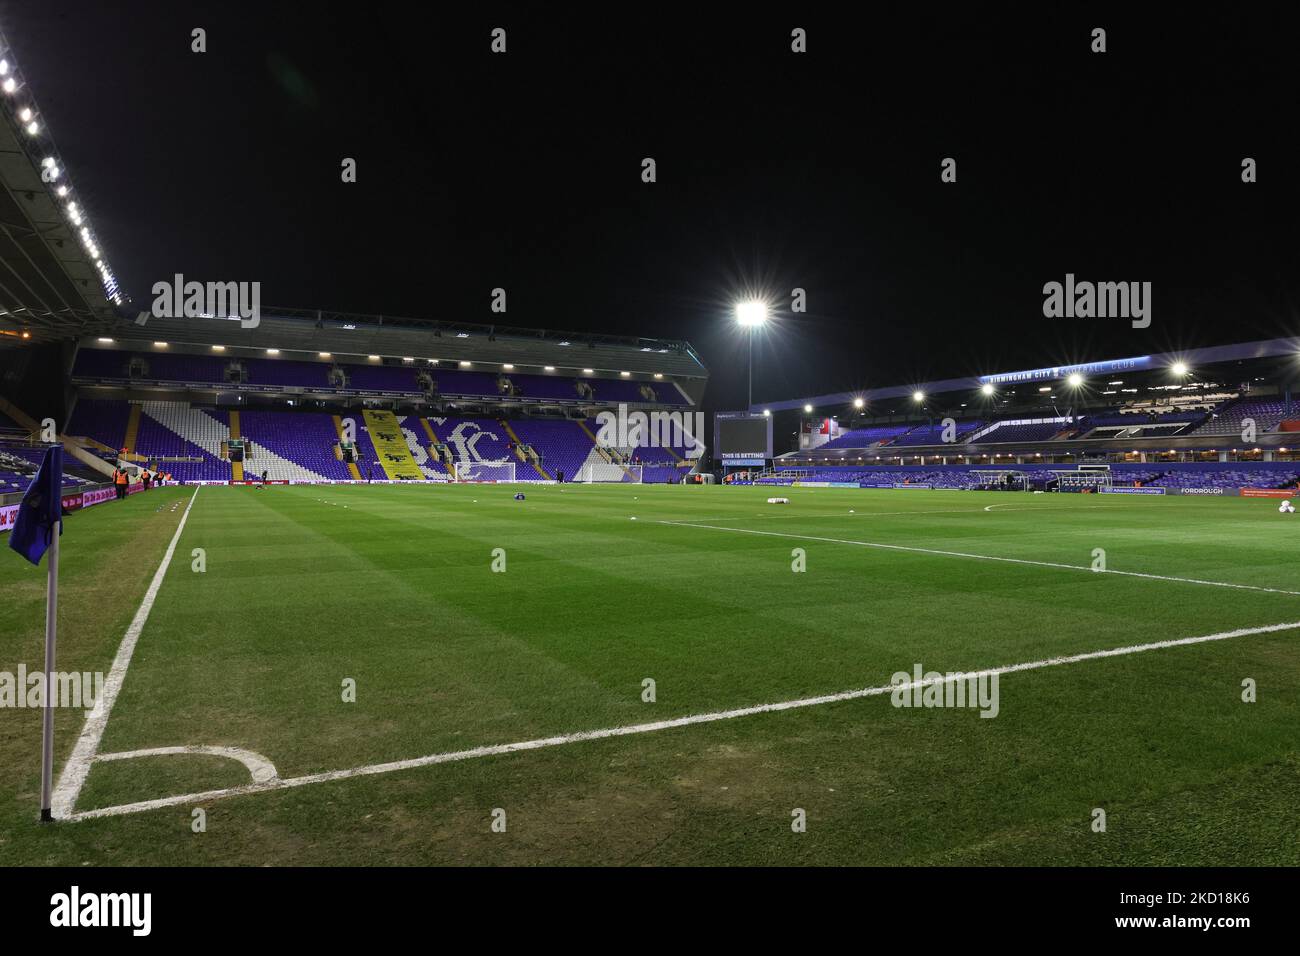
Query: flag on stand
[{"x": 41, "y": 509}]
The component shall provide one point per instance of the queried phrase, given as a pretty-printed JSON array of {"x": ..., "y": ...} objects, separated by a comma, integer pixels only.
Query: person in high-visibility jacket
[{"x": 120, "y": 482}]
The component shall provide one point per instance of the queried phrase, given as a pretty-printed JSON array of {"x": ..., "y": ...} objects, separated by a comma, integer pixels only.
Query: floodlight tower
[{"x": 750, "y": 315}]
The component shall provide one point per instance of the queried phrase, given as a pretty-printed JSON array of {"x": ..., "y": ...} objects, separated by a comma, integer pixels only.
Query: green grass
[{"x": 393, "y": 587}]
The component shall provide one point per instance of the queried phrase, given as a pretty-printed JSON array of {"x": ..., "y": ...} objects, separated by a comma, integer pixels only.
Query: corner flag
[
  {"x": 41, "y": 509},
  {"x": 34, "y": 532}
]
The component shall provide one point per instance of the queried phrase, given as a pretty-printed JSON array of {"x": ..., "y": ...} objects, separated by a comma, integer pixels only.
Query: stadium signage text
[
  {"x": 199, "y": 300},
  {"x": 1110, "y": 367},
  {"x": 1087, "y": 300}
]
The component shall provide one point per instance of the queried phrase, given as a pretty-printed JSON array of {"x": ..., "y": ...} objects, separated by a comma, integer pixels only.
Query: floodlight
[
  {"x": 751, "y": 313},
  {"x": 1075, "y": 380},
  {"x": 918, "y": 396}
]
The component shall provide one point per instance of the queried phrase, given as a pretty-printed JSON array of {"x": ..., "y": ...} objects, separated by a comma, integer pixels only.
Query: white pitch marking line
[
  {"x": 629, "y": 730},
  {"x": 73, "y": 777},
  {"x": 259, "y": 768},
  {"x": 981, "y": 557}
]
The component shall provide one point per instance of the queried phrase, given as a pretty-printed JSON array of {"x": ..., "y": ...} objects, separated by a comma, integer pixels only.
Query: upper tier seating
[{"x": 167, "y": 367}]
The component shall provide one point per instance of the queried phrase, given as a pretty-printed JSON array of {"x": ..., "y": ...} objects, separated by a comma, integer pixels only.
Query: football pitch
[{"x": 653, "y": 675}]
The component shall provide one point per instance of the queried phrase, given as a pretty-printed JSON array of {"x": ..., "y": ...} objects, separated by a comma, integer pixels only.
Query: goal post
[
  {"x": 608, "y": 472},
  {"x": 485, "y": 471}
]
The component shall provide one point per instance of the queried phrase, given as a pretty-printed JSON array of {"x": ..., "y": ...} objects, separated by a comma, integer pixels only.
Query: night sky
[{"x": 775, "y": 170}]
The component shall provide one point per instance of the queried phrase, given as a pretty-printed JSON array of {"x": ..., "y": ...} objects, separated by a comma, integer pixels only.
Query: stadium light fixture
[
  {"x": 1179, "y": 368},
  {"x": 161, "y": 345},
  {"x": 548, "y": 368},
  {"x": 588, "y": 371},
  {"x": 659, "y": 374},
  {"x": 918, "y": 396},
  {"x": 987, "y": 388},
  {"x": 464, "y": 363},
  {"x": 373, "y": 358},
  {"x": 625, "y": 374},
  {"x": 25, "y": 114},
  {"x": 767, "y": 413},
  {"x": 858, "y": 402},
  {"x": 751, "y": 312},
  {"x": 507, "y": 366},
  {"x": 105, "y": 339},
  {"x": 808, "y": 409},
  {"x": 323, "y": 354},
  {"x": 1075, "y": 380},
  {"x": 10, "y": 85},
  {"x": 218, "y": 348},
  {"x": 272, "y": 351}
]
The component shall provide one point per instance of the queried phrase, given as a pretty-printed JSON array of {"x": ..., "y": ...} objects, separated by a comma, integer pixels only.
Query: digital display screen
[{"x": 746, "y": 438}]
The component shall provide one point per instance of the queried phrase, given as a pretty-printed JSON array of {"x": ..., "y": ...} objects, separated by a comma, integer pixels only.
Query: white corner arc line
[
  {"x": 287, "y": 783},
  {"x": 981, "y": 557},
  {"x": 73, "y": 777},
  {"x": 260, "y": 770}
]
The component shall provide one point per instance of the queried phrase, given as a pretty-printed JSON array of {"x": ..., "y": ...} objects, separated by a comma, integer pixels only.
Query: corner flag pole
[{"x": 51, "y": 642}]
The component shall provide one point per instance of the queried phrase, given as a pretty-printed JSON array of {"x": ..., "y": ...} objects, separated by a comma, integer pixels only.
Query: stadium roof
[
  {"x": 1192, "y": 358},
  {"x": 344, "y": 334},
  {"x": 54, "y": 282}
]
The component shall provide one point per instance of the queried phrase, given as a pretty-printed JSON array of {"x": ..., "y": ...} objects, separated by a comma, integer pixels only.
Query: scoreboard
[{"x": 742, "y": 438}]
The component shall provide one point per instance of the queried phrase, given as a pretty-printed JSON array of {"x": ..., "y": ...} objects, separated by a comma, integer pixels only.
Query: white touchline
[
  {"x": 628, "y": 730},
  {"x": 980, "y": 557},
  {"x": 73, "y": 777}
]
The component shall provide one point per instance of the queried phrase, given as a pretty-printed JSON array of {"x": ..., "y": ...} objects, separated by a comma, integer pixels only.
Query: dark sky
[{"x": 775, "y": 170}]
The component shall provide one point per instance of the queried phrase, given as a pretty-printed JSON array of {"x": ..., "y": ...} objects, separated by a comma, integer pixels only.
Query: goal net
[
  {"x": 485, "y": 471},
  {"x": 601, "y": 471}
]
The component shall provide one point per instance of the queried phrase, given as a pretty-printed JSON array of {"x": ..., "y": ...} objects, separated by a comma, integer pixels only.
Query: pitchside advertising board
[{"x": 742, "y": 438}]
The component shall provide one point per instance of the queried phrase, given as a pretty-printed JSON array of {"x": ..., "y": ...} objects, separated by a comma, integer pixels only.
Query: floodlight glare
[
  {"x": 858, "y": 402},
  {"x": 918, "y": 396},
  {"x": 1179, "y": 368},
  {"x": 751, "y": 313},
  {"x": 767, "y": 413},
  {"x": 1075, "y": 380},
  {"x": 808, "y": 409},
  {"x": 987, "y": 388}
]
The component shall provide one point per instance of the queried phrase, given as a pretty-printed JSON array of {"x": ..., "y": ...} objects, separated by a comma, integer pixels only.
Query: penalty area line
[
  {"x": 494, "y": 750},
  {"x": 73, "y": 777}
]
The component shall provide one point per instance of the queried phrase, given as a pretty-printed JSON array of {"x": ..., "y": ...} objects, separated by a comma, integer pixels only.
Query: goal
[
  {"x": 602, "y": 471},
  {"x": 485, "y": 471}
]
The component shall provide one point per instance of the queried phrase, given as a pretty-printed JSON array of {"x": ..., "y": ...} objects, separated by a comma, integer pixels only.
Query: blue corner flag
[{"x": 41, "y": 507}]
